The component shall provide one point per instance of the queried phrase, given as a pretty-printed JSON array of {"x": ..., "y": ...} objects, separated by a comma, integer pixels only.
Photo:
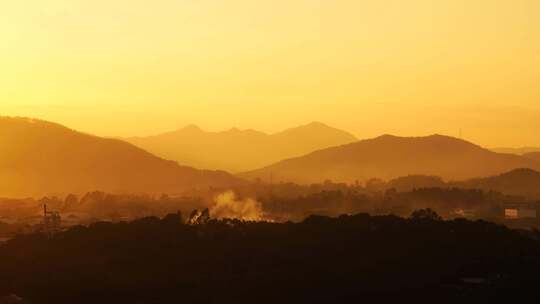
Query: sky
[{"x": 411, "y": 68}]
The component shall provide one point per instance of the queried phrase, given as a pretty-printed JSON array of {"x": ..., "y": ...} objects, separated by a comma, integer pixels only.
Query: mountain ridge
[
  {"x": 41, "y": 157},
  {"x": 518, "y": 151},
  {"x": 389, "y": 157},
  {"x": 533, "y": 155},
  {"x": 239, "y": 150},
  {"x": 520, "y": 182}
]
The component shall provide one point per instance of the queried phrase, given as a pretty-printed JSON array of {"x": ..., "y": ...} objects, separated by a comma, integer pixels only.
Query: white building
[{"x": 519, "y": 213}]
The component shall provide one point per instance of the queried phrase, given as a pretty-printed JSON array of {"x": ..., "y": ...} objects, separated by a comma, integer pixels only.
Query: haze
[
  {"x": 124, "y": 68},
  {"x": 277, "y": 151}
]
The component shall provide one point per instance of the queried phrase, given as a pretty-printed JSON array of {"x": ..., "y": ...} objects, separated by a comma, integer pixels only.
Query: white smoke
[{"x": 228, "y": 206}]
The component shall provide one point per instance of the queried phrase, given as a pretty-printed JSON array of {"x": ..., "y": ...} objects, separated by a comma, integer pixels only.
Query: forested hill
[{"x": 321, "y": 260}]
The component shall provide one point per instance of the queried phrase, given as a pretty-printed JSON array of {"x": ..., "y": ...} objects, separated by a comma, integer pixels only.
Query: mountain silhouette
[
  {"x": 240, "y": 150},
  {"x": 533, "y": 155},
  {"x": 521, "y": 182},
  {"x": 518, "y": 151},
  {"x": 40, "y": 157},
  {"x": 389, "y": 157}
]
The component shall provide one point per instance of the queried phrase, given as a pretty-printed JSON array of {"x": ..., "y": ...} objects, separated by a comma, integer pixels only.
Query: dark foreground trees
[{"x": 350, "y": 259}]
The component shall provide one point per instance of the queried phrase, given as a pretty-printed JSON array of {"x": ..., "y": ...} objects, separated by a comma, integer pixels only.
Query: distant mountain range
[
  {"x": 533, "y": 155},
  {"x": 388, "y": 157},
  {"x": 518, "y": 151},
  {"x": 240, "y": 150},
  {"x": 38, "y": 157}
]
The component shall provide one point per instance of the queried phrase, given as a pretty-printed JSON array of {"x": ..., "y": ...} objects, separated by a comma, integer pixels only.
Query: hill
[
  {"x": 389, "y": 157},
  {"x": 40, "y": 157},
  {"x": 350, "y": 259},
  {"x": 520, "y": 182},
  {"x": 533, "y": 155},
  {"x": 240, "y": 150}
]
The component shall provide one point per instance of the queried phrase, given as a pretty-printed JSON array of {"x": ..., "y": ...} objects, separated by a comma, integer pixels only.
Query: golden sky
[{"x": 137, "y": 67}]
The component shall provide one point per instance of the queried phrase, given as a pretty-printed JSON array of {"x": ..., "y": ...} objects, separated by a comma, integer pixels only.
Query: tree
[
  {"x": 425, "y": 214},
  {"x": 173, "y": 218}
]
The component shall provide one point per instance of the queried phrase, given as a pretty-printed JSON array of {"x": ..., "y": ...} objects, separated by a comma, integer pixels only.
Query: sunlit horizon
[
  {"x": 269, "y": 151},
  {"x": 122, "y": 68}
]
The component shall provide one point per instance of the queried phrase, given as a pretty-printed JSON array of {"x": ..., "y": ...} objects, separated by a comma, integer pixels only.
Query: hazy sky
[{"x": 416, "y": 67}]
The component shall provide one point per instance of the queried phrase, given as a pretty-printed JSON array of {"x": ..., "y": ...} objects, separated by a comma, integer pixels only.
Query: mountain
[
  {"x": 518, "y": 151},
  {"x": 533, "y": 155},
  {"x": 521, "y": 182},
  {"x": 240, "y": 150},
  {"x": 39, "y": 157},
  {"x": 389, "y": 157}
]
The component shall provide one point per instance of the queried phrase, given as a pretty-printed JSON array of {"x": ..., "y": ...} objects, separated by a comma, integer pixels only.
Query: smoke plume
[{"x": 228, "y": 206}]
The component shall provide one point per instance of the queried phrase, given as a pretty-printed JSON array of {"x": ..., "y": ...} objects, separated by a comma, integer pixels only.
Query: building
[{"x": 520, "y": 211}]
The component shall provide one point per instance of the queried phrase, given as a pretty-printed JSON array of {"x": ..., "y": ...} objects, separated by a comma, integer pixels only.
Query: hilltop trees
[
  {"x": 425, "y": 215},
  {"x": 320, "y": 260}
]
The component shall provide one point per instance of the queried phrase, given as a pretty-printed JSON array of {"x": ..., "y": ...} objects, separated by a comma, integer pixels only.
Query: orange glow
[{"x": 125, "y": 67}]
